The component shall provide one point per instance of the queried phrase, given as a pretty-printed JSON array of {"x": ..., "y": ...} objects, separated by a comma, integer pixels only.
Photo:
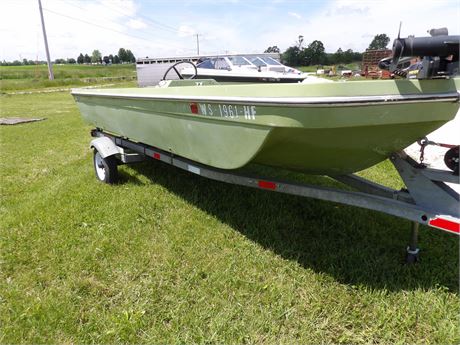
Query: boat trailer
[{"x": 427, "y": 199}]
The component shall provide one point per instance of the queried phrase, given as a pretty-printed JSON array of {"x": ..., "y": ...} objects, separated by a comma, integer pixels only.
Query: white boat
[
  {"x": 267, "y": 63},
  {"x": 244, "y": 69}
]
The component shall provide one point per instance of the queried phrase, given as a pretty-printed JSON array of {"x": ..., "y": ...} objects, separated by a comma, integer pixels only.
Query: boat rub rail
[{"x": 291, "y": 101}]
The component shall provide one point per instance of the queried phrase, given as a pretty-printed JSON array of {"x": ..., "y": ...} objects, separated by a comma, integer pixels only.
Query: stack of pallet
[{"x": 370, "y": 63}]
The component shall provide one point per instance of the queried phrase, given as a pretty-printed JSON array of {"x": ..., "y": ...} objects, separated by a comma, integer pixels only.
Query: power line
[
  {"x": 105, "y": 28},
  {"x": 152, "y": 21},
  {"x": 93, "y": 24},
  {"x": 124, "y": 15}
]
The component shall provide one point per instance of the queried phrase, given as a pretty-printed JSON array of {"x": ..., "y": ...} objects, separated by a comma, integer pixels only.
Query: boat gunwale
[{"x": 289, "y": 101}]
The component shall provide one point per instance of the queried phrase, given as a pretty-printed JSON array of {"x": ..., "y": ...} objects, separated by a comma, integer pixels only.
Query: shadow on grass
[{"x": 352, "y": 245}]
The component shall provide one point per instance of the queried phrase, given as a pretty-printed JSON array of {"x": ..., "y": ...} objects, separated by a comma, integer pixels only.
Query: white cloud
[
  {"x": 244, "y": 27},
  {"x": 295, "y": 15},
  {"x": 353, "y": 24},
  {"x": 114, "y": 24},
  {"x": 185, "y": 30},
  {"x": 136, "y": 24}
]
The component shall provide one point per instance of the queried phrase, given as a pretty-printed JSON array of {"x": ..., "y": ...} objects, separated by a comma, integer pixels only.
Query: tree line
[
  {"x": 296, "y": 55},
  {"x": 315, "y": 54},
  {"x": 24, "y": 62},
  {"x": 123, "y": 56}
]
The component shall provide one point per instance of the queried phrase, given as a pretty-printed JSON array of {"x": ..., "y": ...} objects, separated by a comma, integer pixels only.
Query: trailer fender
[{"x": 105, "y": 146}]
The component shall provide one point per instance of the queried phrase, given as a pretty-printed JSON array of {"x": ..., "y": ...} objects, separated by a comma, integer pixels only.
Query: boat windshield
[
  {"x": 220, "y": 63},
  {"x": 214, "y": 63},
  {"x": 238, "y": 60},
  {"x": 257, "y": 61},
  {"x": 270, "y": 61},
  {"x": 206, "y": 64}
]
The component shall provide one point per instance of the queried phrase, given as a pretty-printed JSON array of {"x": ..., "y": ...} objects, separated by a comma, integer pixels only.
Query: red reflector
[
  {"x": 266, "y": 184},
  {"x": 156, "y": 155},
  {"x": 194, "y": 108},
  {"x": 445, "y": 224}
]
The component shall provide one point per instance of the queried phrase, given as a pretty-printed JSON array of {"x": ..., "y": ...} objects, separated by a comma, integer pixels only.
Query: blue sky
[{"x": 168, "y": 28}]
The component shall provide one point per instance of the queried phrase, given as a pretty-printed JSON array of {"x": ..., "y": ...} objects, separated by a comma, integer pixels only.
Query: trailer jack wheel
[
  {"x": 106, "y": 168},
  {"x": 412, "y": 256},
  {"x": 412, "y": 251}
]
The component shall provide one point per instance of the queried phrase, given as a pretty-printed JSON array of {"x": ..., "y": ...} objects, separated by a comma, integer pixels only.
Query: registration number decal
[{"x": 232, "y": 111}]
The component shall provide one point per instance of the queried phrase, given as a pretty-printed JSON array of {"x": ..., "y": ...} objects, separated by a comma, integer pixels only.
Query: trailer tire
[
  {"x": 411, "y": 258},
  {"x": 451, "y": 159},
  {"x": 106, "y": 169}
]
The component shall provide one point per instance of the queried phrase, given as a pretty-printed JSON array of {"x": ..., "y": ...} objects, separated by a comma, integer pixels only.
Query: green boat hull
[{"x": 331, "y": 128}]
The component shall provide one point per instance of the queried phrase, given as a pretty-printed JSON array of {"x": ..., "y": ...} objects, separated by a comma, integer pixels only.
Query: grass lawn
[
  {"x": 313, "y": 68},
  {"x": 36, "y": 76},
  {"x": 166, "y": 256}
]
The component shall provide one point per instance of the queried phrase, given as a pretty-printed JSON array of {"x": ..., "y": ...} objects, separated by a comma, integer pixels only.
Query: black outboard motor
[{"x": 439, "y": 53}]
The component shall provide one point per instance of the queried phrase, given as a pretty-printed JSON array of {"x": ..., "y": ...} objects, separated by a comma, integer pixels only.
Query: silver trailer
[{"x": 427, "y": 199}]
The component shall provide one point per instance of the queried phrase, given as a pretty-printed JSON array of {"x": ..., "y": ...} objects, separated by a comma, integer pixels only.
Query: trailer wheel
[
  {"x": 106, "y": 168},
  {"x": 412, "y": 258},
  {"x": 451, "y": 159}
]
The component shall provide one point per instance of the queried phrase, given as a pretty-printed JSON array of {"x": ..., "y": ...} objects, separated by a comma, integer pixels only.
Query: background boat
[
  {"x": 240, "y": 69},
  {"x": 254, "y": 68}
]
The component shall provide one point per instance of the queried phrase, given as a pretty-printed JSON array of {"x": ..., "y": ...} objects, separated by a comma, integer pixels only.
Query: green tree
[
  {"x": 116, "y": 59},
  {"x": 96, "y": 56},
  {"x": 273, "y": 49},
  {"x": 379, "y": 42},
  {"x": 338, "y": 56},
  {"x": 130, "y": 56},
  {"x": 80, "y": 58},
  {"x": 316, "y": 52},
  {"x": 122, "y": 55},
  {"x": 87, "y": 59},
  {"x": 357, "y": 56},
  {"x": 292, "y": 56},
  {"x": 348, "y": 56},
  {"x": 71, "y": 61},
  {"x": 111, "y": 58},
  {"x": 106, "y": 60},
  {"x": 300, "y": 42}
]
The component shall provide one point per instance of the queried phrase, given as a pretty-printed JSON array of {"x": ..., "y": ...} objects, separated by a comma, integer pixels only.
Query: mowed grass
[
  {"x": 166, "y": 256},
  {"x": 13, "y": 78},
  {"x": 313, "y": 68}
]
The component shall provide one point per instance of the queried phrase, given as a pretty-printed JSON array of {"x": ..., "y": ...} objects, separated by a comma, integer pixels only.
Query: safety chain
[{"x": 425, "y": 142}]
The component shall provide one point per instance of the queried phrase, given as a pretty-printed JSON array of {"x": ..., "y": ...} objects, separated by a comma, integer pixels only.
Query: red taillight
[
  {"x": 445, "y": 224},
  {"x": 266, "y": 184},
  {"x": 194, "y": 108},
  {"x": 156, "y": 155}
]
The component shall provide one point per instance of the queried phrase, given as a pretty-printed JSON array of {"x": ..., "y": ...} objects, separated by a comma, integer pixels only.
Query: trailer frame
[{"x": 427, "y": 199}]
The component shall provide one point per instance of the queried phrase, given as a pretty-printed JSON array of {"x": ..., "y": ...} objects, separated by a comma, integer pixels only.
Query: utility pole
[
  {"x": 50, "y": 66},
  {"x": 197, "y": 44}
]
